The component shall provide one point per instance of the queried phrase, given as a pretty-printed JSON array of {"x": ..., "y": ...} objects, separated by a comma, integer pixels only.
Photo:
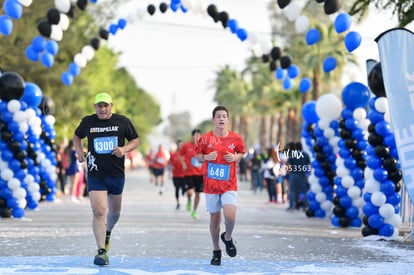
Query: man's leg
[{"x": 99, "y": 204}]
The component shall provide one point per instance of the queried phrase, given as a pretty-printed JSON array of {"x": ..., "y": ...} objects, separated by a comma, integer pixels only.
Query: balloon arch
[{"x": 356, "y": 175}]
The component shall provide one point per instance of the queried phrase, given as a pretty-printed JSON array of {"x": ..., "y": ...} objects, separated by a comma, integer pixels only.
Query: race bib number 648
[{"x": 218, "y": 171}]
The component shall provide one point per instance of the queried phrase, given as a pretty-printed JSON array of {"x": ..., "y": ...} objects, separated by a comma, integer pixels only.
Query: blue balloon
[
  {"x": 355, "y": 95},
  {"x": 242, "y": 34},
  {"x": 342, "y": 22},
  {"x": 31, "y": 54},
  {"x": 233, "y": 25},
  {"x": 383, "y": 128},
  {"x": 113, "y": 29},
  {"x": 329, "y": 64},
  {"x": 304, "y": 85},
  {"x": 280, "y": 73},
  {"x": 122, "y": 23},
  {"x": 357, "y": 222},
  {"x": 67, "y": 78},
  {"x": 387, "y": 187},
  {"x": 320, "y": 213},
  {"x": 18, "y": 212},
  {"x": 13, "y": 9},
  {"x": 74, "y": 69},
  {"x": 335, "y": 221},
  {"x": 376, "y": 221},
  {"x": 386, "y": 230},
  {"x": 380, "y": 174},
  {"x": 47, "y": 59},
  {"x": 293, "y": 71},
  {"x": 345, "y": 201},
  {"x": 369, "y": 209},
  {"x": 352, "y": 40},
  {"x": 39, "y": 43},
  {"x": 312, "y": 36},
  {"x": 52, "y": 47},
  {"x": 287, "y": 83},
  {"x": 32, "y": 95},
  {"x": 352, "y": 212},
  {"x": 6, "y": 25}
]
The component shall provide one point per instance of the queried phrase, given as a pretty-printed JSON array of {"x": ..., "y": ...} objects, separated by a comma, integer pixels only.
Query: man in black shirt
[{"x": 106, "y": 133}]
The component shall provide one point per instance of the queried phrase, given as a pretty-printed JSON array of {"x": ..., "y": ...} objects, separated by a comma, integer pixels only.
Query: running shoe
[
  {"x": 194, "y": 215},
  {"x": 216, "y": 260},
  {"x": 188, "y": 206},
  {"x": 230, "y": 247},
  {"x": 178, "y": 206},
  {"x": 101, "y": 258}
]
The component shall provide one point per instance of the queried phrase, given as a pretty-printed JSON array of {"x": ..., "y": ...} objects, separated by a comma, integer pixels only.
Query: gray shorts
[{"x": 215, "y": 202}]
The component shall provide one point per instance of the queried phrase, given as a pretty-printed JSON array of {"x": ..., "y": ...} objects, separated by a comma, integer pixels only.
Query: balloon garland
[
  {"x": 350, "y": 163},
  {"x": 383, "y": 178},
  {"x": 325, "y": 148},
  {"x": 25, "y": 178},
  {"x": 13, "y": 10}
]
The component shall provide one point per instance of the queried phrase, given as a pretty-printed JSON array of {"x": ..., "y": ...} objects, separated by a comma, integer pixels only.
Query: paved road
[{"x": 154, "y": 238}]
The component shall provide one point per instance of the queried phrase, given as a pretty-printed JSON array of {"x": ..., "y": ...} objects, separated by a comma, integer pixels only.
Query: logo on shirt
[
  {"x": 232, "y": 146},
  {"x": 104, "y": 129}
]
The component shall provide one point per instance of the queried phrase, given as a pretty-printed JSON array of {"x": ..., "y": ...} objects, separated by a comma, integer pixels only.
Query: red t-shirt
[
  {"x": 160, "y": 160},
  {"x": 220, "y": 175},
  {"x": 176, "y": 166},
  {"x": 194, "y": 166}
]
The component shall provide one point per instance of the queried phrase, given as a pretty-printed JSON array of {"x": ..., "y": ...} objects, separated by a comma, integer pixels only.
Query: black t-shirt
[{"x": 103, "y": 136}]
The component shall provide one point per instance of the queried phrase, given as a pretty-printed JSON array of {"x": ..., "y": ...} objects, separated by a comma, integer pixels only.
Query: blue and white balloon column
[
  {"x": 321, "y": 180},
  {"x": 350, "y": 164},
  {"x": 383, "y": 178}
]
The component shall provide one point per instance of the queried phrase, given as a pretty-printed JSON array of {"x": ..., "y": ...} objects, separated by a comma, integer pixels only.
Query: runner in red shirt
[
  {"x": 221, "y": 149},
  {"x": 177, "y": 173},
  {"x": 193, "y": 170},
  {"x": 160, "y": 161}
]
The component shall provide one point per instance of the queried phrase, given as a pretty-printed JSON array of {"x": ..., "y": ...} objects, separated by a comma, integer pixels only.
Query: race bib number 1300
[
  {"x": 218, "y": 171},
  {"x": 105, "y": 145}
]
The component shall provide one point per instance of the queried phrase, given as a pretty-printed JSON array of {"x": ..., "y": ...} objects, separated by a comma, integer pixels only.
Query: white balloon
[
  {"x": 30, "y": 113},
  {"x": 88, "y": 51},
  {"x": 358, "y": 201},
  {"x": 313, "y": 179},
  {"x": 188, "y": 4},
  {"x": 63, "y": 22},
  {"x": 293, "y": 11},
  {"x": 23, "y": 127},
  {"x": 36, "y": 196},
  {"x": 320, "y": 197},
  {"x": 316, "y": 188},
  {"x": 342, "y": 171},
  {"x": 141, "y": 13},
  {"x": 13, "y": 184},
  {"x": 381, "y": 104},
  {"x": 25, "y": 3},
  {"x": 339, "y": 162},
  {"x": 371, "y": 186},
  {"x": 368, "y": 173},
  {"x": 347, "y": 181},
  {"x": 6, "y": 174},
  {"x": 20, "y": 116},
  {"x": 354, "y": 192},
  {"x": 56, "y": 33},
  {"x": 329, "y": 133},
  {"x": 378, "y": 198},
  {"x": 80, "y": 60},
  {"x": 19, "y": 193},
  {"x": 328, "y": 106},
  {"x": 324, "y": 123},
  {"x": 387, "y": 117},
  {"x": 395, "y": 220},
  {"x": 302, "y": 23},
  {"x": 326, "y": 205},
  {"x": 387, "y": 210},
  {"x": 50, "y": 119},
  {"x": 13, "y": 106},
  {"x": 22, "y": 203},
  {"x": 62, "y": 5},
  {"x": 266, "y": 46},
  {"x": 359, "y": 114},
  {"x": 253, "y": 38}
]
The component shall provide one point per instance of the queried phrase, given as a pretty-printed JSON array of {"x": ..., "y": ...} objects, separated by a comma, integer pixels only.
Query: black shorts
[
  {"x": 179, "y": 183},
  {"x": 159, "y": 172},
  {"x": 114, "y": 185},
  {"x": 194, "y": 182}
]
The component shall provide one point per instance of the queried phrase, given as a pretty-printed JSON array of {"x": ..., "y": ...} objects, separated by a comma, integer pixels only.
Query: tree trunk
[
  {"x": 316, "y": 83},
  {"x": 281, "y": 135}
]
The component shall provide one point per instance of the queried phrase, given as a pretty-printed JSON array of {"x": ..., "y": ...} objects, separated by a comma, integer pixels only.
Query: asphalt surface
[{"x": 152, "y": 237}]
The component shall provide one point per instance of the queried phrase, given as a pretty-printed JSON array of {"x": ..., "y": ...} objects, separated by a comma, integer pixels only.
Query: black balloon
[
  {"x": 151, "y": 9},
  {"x": 351, "y": 143},
  {"x": 82, "y": 4},
  {"x": 276, "y": 52},
  {"x": 95, "y": 43},
  {"x": 212, "y": 11},
  {"x": 283, "y": 3},
  {"x": 5, "y": 212},
  {"x": 374, "y": 139},
  {"x": 265, "y": 58},
  {"x": 272, "y": 66},
  {"x": 345, "y": 133},
  {"x": 71, "y": 12},
  {"x": 46, "y": 105},
  {"x": 336, "y": 200},
  {"x": 104, "y": 34},
  {"x": 344, "y": 221},
  {"x": 390, "y": 164},
  {"x": 339, "y": 211},
  {"x": 367, "y": 231},
  {"x": 376, "y": 81},
  {"x": 382, "y": 151},
  {"x": 395, "y": 176},
  {"x": 53, "y": 16},
  {"x": 163, "y": 7},
  {"x": 310, "y": 213},
  {"x": 320, "y": 1},
  {"x": 12, "y": 86},
  {"x": 223, "y": 17},
  {"x": 331, "y": 6},
  {"x": 371, "y": 128},
  {"x": 397, "y": 187},
  {"x": 44, "y": 28},
  {"x": 285, "y": 62}
]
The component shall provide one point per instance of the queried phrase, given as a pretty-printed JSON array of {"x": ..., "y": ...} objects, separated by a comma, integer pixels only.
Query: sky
[{"x": 174, "y": 55}]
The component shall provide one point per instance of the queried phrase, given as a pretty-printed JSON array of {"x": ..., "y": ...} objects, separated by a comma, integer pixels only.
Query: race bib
[
  {"x": 195, "y": 162},
  {"x": 218, "y": 171},
  {"x": 105, "y": 145}
]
